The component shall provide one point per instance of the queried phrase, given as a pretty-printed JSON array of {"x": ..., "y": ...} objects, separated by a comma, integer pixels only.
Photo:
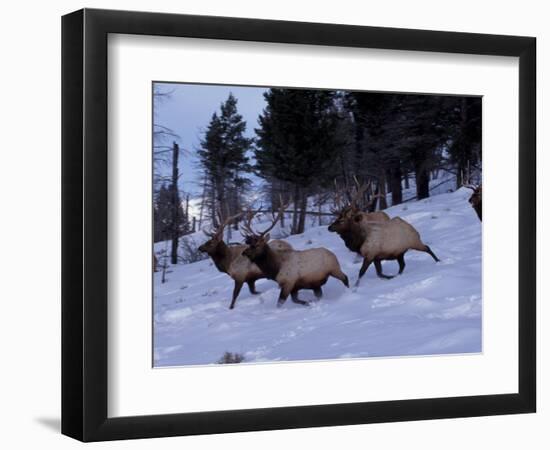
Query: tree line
[{"x": 313, "y": 144}]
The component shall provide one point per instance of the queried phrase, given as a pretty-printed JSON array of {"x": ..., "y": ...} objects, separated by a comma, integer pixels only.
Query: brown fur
[
  {"x": 294, "y": 269},
  {"x": 351, "y": 226},
  {"x": 388, "y": 241},
  {"x": 229, "y": 259},
  {"x": 352, "y": 235},
  {"x": 475, "y": 200}
]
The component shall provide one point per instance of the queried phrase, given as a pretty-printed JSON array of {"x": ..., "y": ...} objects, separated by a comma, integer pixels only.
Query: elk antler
[
  {"x": 247, "y": 227},
  {"x": 372, "y": 200},
  {"x": 361, "y": 189},
  {"x": 218, "y": 232},
  {"x": 337, "y": 199}
]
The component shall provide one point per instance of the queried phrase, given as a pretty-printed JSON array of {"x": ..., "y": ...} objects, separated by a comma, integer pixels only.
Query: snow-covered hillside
[{"x": 432, "y": 308}]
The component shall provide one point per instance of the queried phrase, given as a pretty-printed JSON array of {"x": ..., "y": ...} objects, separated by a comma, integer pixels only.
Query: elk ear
[
  {"x": 357, "y": 218},
  {"x": 267, "y": 237}
]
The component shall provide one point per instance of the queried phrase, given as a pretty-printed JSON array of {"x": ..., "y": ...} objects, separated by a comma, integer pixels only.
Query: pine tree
[
  {"x": 399, "y": 133},
  {"x": 465, "y": 146},
  {"x": 297, "y": 143},
  {"x": 378, "y": 153},
  {"x": 425, "y": 128},
  {"x": 223, "y": 158},
  {"x": 163, "y": 216}
]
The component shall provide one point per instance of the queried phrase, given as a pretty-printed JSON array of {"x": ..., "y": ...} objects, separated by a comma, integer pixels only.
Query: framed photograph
[{"x": 273, "y": 224}]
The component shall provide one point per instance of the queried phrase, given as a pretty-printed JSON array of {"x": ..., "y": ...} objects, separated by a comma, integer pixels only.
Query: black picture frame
[{"x": 84, "y": 224}]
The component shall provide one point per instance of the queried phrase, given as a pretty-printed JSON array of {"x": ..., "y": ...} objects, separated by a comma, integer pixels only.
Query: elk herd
[{"x": 374, "y": 236}]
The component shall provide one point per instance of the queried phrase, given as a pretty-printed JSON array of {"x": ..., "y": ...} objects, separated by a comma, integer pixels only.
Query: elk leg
[
  {"x": 401, "y": 261},
  {"x": 236, "y": 290},
  {"x": 252, "y": 287},
  {"x": 283, "y": 295},
  {"x": 295, "y": 299},
  {"x": 364, "y": 267},
  {"x": 429, "y": 251},
  {"x": 378, "y": 267},
  {"x": 342, "y": 277},
  {"x": 318, "y": 292}
]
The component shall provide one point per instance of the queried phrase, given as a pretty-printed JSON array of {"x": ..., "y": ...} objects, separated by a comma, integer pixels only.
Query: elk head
[
  {"x": 347, "y": 213},
  {"x": 257, "y": 240},
  {"x": 475, "y": 199},
  {"x": 216, "y": 235}
]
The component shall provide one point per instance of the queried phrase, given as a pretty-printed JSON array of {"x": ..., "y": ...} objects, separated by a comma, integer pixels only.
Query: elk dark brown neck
[
  {"x": 268, "y": 263},
  {"x": 221, "y": 257},
  {"x": 352, "y": 239}
]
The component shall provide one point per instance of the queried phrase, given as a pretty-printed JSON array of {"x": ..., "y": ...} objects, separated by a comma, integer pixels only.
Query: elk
[
  {"x": 291, "y": 269},
  {"x": 230, "y": 260},
  {"x": 386, "y": 241},
  {"x": 475, "y": 199},
  {"x": 350, "y": 223}
]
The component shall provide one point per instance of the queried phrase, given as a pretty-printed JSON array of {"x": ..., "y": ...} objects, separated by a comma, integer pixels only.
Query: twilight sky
[{"x": 187, "y": 111}]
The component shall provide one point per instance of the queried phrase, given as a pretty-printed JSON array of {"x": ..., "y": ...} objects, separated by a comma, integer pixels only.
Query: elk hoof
[
  {"x": 387, "y": 277},
  {"x": 301, "y": 302}
]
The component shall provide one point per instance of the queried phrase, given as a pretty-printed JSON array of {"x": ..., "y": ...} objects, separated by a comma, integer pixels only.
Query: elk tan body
[
  {"x": 353, "y": 232},
  {"x": 354, "y": 236},
  {"x": 351, "y": 226},
  {"x": 291, "y": 269},
  {"x": 374, "y": 235},
  {"x": 388, "y": 241},
  {"x": 376, "y": 216},
  {"x": 306, "y": 269},
  {"x": 295, "y": 269}
]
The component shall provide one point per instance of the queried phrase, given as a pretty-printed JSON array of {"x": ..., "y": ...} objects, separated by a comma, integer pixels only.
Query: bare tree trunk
[
  {"x": 164, "y": 265},
  {"x": 186, "y": 218},
  {"x": 407, "y": 185},
  {"x": 296, "y": 200},
  {"x": 422, "y": 183},
  {"x": 389, "y": 181},
  {"x": 282, "y": 187},
  {"x": 175, "y": 205},
  {"x": 203, "y": 201},
  {"x": 282, "y": 218},
  {"x": 303, "y": 211},
  {"x": 395, "y": 183},
  {"x": 319, "y": 209},
  {"x": 213, "y": 205},
  {"x": 462, "y": 171},
  {"x": 223, "y": 205},
  {"x": 459, "y": 178},
  {"x": 382, "y": 202},
  {"x": 237, "y": 205}
]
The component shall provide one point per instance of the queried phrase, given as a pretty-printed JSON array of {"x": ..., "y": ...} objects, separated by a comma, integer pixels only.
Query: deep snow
[{"x": 432, "y": 308}]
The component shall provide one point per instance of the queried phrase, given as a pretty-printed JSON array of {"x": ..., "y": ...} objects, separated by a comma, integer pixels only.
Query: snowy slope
[{"x": 432, "y": 308}]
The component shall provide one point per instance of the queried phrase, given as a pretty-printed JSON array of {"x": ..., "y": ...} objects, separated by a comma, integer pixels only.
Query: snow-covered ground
[{"x": 432, "y": 308}]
